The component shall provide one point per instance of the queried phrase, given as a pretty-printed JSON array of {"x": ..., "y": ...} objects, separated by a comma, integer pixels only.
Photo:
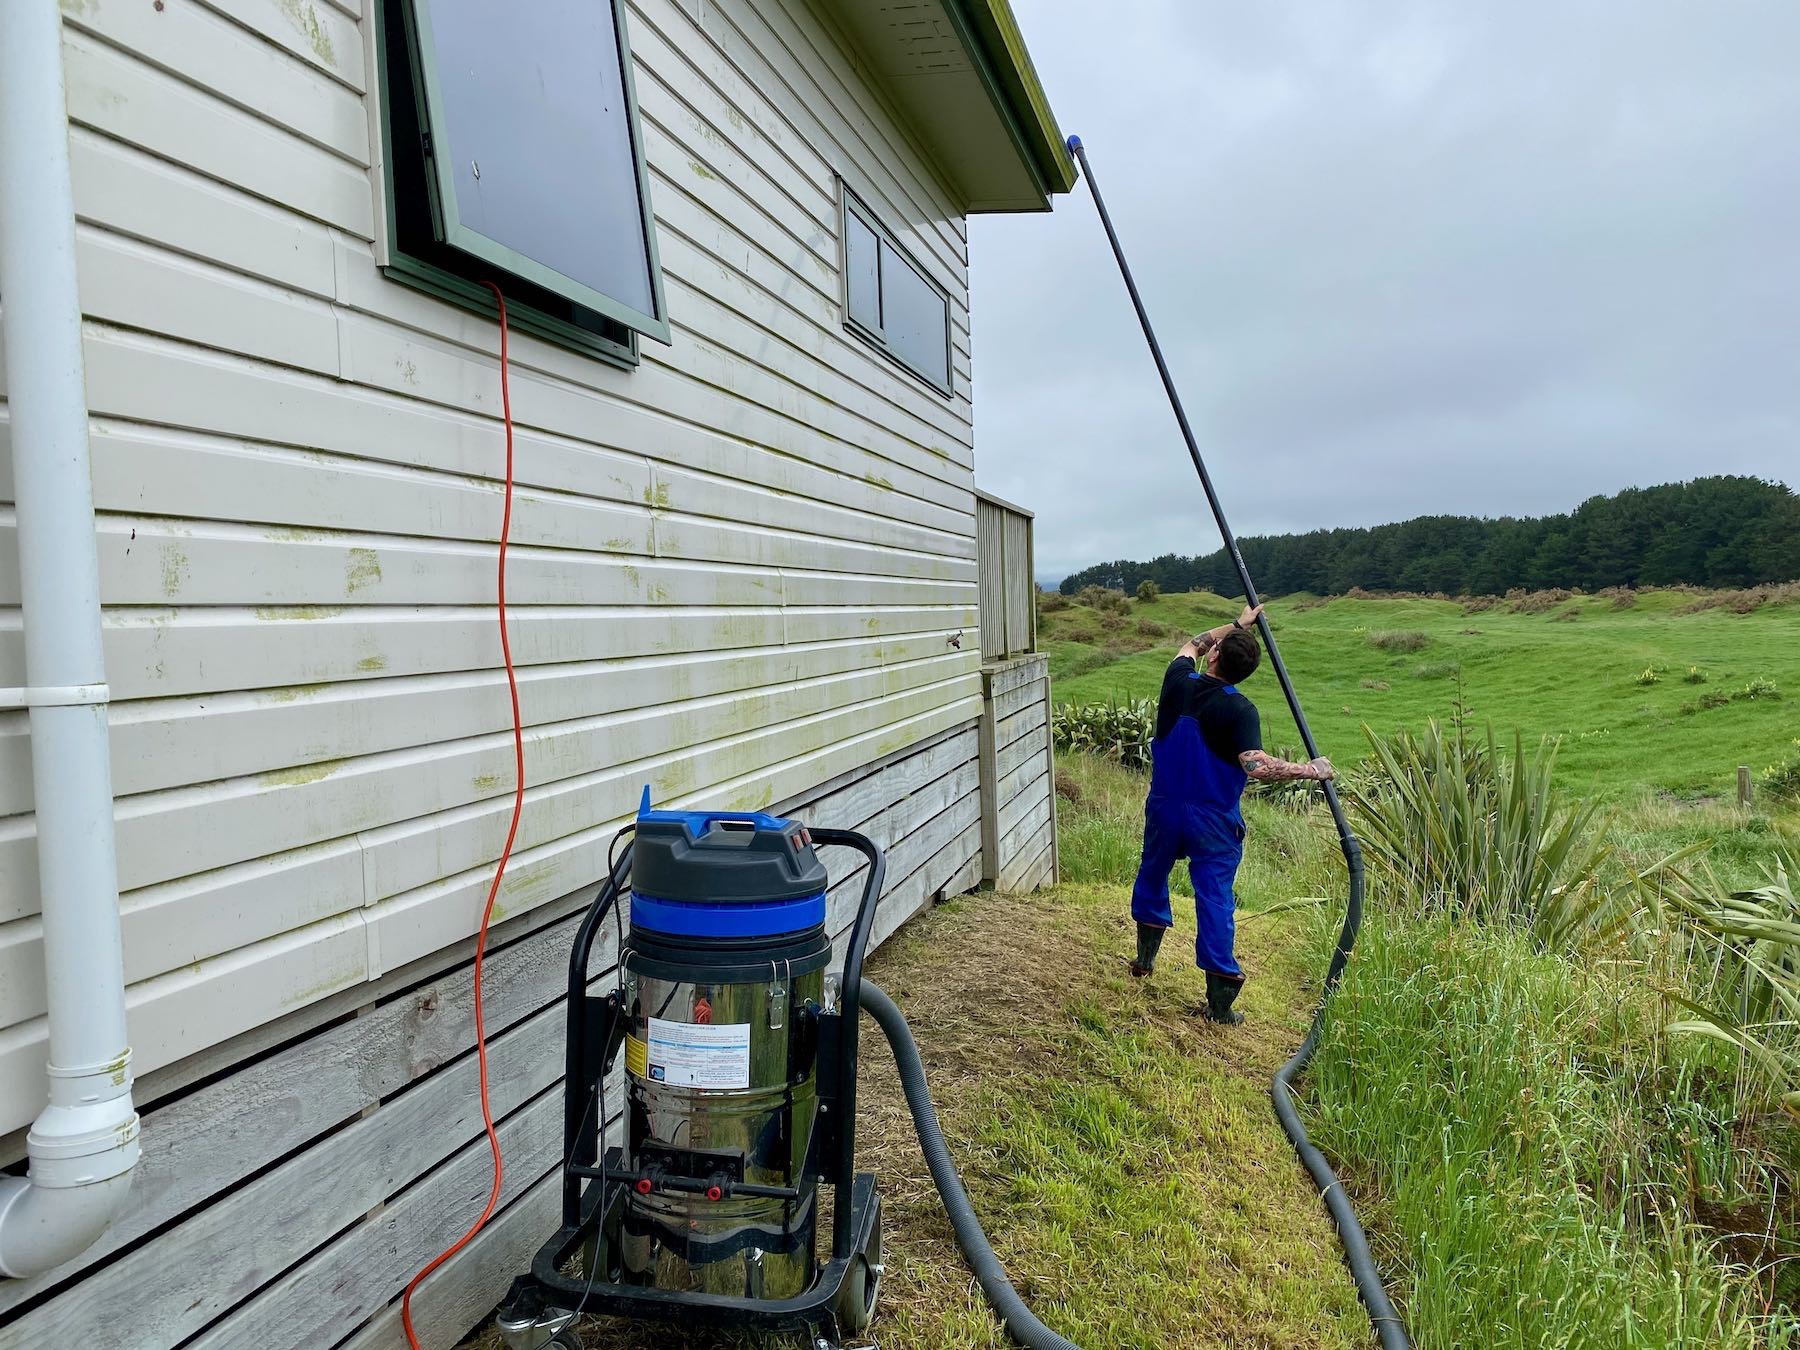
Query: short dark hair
[{"x": 1239, "y": 656}]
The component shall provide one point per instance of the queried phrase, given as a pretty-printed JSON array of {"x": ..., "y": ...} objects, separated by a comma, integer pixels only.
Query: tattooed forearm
[{"x": 1266, "y": 768}]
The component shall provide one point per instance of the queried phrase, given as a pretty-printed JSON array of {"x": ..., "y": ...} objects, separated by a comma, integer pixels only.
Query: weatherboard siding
[
  {"x": 738, "y": 570},
  {"x": 1018, "y": 776}
]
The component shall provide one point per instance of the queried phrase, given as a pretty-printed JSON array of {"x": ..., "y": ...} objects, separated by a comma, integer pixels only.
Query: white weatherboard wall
[{"x": 741, "y": 570}]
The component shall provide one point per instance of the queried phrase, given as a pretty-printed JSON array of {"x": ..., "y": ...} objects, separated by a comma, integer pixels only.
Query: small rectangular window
[
  {"x": 514, "y": 155},
  {"x": 890, "y": 302}
]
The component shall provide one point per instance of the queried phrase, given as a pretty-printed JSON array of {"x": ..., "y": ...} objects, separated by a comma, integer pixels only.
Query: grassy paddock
[{"x": 1394, "y": 663}]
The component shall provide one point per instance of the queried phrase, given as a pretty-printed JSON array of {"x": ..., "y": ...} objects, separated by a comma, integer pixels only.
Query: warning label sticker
[
  {"x": 637, "y": 1057},
  {"x": 684, "y": 1054}
]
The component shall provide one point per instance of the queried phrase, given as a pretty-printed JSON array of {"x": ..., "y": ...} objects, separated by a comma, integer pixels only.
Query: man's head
[{"x": 1234, "y": 657}]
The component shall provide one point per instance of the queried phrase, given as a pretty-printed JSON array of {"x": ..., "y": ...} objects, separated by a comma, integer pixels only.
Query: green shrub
[
  {"x": 1103, "y": 598},
  {"x": 1759, "y": 688},
  {"x": 1376, "y": 684},
  {"x": 1147, "y": 590},
  {"x": 1052, "y": 602},
  {"x": 1437, "y": 670},
  {"x": 1650, "y": 675},
  {"x": 1461, "y": 826},
  {"x": 1694, "y": 675},
  {"x": 1400, "y": 641},
  {"x": 1782, "y": 781},
  {"x": 1119, "y": 730}
]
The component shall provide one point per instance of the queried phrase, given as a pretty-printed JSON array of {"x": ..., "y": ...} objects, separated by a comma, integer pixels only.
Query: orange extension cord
[{"x": 512, "y": 831}]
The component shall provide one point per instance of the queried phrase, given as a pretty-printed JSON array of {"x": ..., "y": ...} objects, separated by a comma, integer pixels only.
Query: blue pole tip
[
  {"x": 644, "y": 805},
  {"x": 1074, "y": 144}
]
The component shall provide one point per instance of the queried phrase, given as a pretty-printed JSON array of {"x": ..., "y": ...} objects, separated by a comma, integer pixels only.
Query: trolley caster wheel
[
  {"x": 862, "y": 1284},
  {"x": 564, "y": 1340}
]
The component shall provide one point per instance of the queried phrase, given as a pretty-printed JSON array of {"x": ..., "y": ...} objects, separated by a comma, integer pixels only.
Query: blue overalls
[{"x": 1192, "y": 812}]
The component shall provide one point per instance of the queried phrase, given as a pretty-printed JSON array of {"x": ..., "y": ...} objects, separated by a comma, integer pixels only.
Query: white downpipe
[{"x": 85, "y": 1143}]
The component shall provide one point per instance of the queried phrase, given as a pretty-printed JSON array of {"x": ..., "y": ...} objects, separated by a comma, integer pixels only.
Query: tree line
[{"x": 1724, "y": 531}]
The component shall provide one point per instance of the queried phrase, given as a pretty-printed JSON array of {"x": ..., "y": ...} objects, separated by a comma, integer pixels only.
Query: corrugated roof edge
[{"x": 1004, "y": 46}]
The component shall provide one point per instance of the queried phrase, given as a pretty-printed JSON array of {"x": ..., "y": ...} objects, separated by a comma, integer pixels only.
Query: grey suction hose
[
  {"x": 1021, "y": 1324},
  {"x": 1386, "y": 1321}
]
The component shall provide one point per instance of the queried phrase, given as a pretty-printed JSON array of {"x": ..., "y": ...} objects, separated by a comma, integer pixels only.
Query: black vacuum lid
[{"x": 724, "y": 858}]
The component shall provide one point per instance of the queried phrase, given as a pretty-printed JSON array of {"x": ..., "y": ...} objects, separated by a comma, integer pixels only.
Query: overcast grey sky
[{"x": 1490, "y": 257}]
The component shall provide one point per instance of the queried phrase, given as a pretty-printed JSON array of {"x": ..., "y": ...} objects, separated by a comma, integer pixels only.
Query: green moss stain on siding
[
  {"x": 295, "y": 692},
  {"x": 174, "y": 570},
  {"x": 300, "y": 775},
  {"x": 362, "y": 569},
  {"x": 305, "y": 18},
  {"x": 284, "y": 613}
]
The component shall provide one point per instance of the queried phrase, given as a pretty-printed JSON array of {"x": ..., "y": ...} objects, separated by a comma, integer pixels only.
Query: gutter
[
  {"x": 84, "y": 1144},
  {"x": 1027, "y": 106}
]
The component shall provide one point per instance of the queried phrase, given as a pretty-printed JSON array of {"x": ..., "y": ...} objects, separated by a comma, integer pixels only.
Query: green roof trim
[{"x": 1026, "y": 104}]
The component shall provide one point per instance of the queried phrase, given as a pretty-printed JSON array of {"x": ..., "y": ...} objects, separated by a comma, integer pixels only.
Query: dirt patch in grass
[{"x": 1120, "y": 1150}]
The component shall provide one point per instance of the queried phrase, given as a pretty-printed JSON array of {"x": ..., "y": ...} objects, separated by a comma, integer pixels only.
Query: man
[{"x": 1208, "y": 744}]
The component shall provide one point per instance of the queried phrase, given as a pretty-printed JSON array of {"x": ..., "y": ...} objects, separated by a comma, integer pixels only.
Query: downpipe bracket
[{"x": 55, "y": 696}]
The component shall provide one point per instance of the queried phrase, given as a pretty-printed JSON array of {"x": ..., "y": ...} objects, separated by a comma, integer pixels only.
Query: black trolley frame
[{"x": 593, "y": 1197}]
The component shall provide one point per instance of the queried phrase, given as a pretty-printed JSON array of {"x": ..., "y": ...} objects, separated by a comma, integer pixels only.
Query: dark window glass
[
  {"x": 913, "y": 317},
  {"x": 890, "y": 301},
  {"x": 862, "y": 272},
  {"x": 534, "y": 138},
  {"x": 541, "y": 298}
]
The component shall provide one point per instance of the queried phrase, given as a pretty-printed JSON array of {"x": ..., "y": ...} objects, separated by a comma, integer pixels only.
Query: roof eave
[{"x": 1018, "y": 93}]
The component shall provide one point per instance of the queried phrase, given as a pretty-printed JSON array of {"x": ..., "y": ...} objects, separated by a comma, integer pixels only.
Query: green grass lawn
[{"x": 1577, "y": 678}]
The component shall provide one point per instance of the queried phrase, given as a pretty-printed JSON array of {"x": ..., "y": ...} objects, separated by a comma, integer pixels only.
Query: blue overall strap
[
  {"x": 1221, "y": 781},
  {"x": 1185, "y": 770}
]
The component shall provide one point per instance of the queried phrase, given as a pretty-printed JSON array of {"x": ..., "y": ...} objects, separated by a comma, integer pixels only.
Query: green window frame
[
  {"x": 870, "y": 314},
  {"x": 431, "y": 248}
]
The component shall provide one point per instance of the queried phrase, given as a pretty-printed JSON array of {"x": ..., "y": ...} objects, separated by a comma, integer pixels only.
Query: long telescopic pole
[{"x": 1356, "y": 1244}]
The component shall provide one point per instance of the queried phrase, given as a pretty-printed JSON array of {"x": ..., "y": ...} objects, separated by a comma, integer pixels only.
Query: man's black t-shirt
[{"x": 1229, "y": 723}]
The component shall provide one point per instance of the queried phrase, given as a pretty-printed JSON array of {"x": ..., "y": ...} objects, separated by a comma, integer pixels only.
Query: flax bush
[
  {"x": 1119, "y": 730},
  {"x": 1460, "y": 825},
  {"x": 1742, "y": 968}
]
